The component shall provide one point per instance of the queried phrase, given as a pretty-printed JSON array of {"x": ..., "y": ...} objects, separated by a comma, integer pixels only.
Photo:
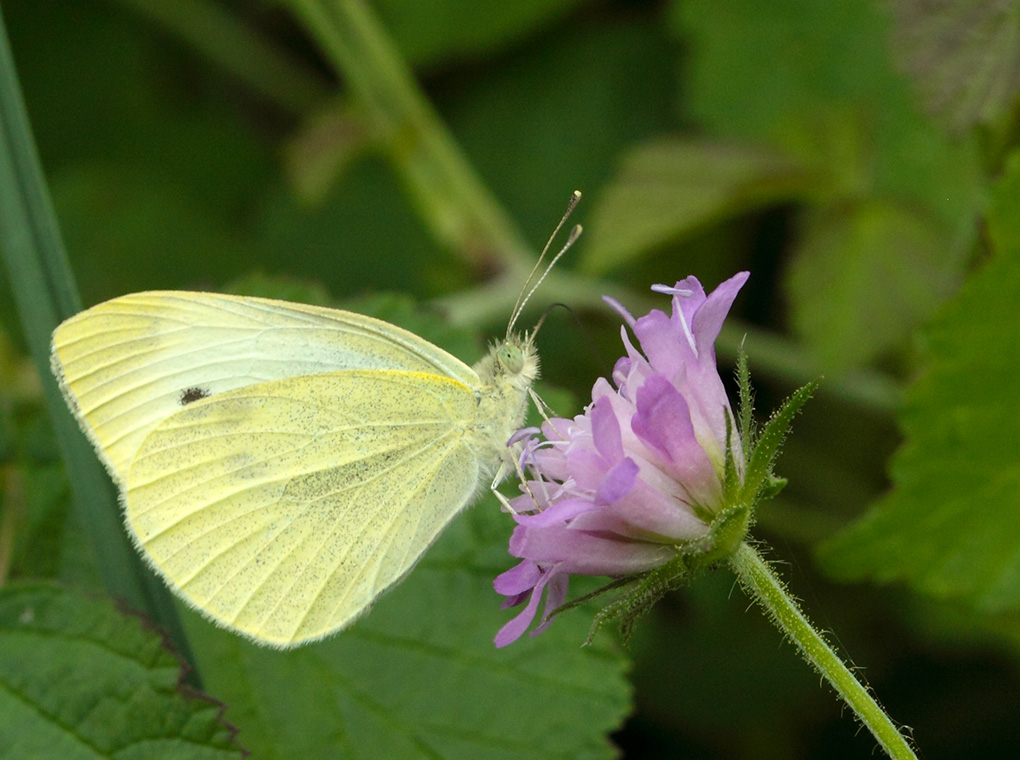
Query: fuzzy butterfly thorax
[{"x": 506, "y": 373}]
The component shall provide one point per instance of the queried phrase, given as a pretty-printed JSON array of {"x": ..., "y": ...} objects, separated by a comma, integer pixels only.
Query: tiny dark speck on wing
[{"x": 189, "y": 395}]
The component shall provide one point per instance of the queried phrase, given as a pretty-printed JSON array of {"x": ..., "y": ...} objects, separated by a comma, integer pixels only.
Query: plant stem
[
  {"x": 765, "y": 587},
  {"x": 450, "y": 196}
]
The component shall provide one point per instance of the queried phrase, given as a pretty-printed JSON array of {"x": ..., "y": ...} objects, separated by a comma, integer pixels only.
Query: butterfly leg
[
  {"x": 543, "y": 408},
  {"x": 500, "y": 474}
]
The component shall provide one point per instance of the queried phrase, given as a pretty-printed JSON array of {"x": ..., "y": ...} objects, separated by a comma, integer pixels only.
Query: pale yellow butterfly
[{"x": 282, "y": 465}]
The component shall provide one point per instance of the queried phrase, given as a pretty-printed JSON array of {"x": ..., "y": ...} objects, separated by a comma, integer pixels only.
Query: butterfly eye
[{"x": 511, "y": 358}]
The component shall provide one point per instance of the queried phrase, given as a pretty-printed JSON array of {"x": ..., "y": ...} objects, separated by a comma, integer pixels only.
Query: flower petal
[
  {"x": 618, "y": 482},
  {"x": 513, "y": 630},
  {"x": 580, "y": 551},
  {"x": 708, "y": 321},
  {"x": 555, "y": 596},
  {"x": 645, "y": 514},
  {"x": 605, "y": 431},
  {"x": 663, "y": 423},
  {"x": 518, "y": 579},
  {"x": 560, "y": 512},
  {"x": 615, "y": 490}
]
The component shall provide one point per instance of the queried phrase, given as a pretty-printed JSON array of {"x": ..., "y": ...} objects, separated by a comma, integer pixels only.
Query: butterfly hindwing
[{"x": 284, "y": 508}]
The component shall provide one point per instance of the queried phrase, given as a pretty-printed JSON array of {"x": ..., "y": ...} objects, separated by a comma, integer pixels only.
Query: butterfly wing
[
  {"x": 128, "y": 364},
  {"x": 282, "y": 510}
]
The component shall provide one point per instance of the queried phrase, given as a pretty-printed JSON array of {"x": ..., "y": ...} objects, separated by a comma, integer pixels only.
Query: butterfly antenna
[{"x": 525, "y": 294}]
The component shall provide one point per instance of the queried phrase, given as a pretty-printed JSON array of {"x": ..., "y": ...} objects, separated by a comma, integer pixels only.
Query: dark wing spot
[{"x": 189, "y": 395}]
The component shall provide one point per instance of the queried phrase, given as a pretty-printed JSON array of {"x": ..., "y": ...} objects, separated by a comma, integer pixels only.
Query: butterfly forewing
[
  {"x": 284, "y": 508},
  {"x": 128, "y": 364}
]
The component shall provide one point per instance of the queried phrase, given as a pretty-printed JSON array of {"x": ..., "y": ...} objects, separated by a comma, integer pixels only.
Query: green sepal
[
  {"x": 759, "y": 479},
  {"x": 647, "y": 589},
  {"x": 772, "y": 487},
  {"x": 727, "y": 532},
  {"x": 606, "y": 588},
  {"x": 745, "y": 401},
  {"x": 731, "y": 478}
]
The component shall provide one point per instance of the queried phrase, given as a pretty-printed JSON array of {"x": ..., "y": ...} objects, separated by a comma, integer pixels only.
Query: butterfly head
[{"x": 513, "y": 363}]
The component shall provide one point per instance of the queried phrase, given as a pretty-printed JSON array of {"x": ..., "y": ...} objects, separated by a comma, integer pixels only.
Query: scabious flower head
[{"x": 623, "y": 487}]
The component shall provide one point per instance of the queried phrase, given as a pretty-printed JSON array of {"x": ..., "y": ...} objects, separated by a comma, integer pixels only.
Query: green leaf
[
  {"x": 670, "y": 188},
  {"x": 419, "y": 677},
  {"x": 79, "y": 680},
  {"x": 964, "y": 57},
  {"x": 949, "y": 526},
  {"x": 864, "y": 276},
  {"x": 817, "y": 80},
  {"x": 745, "y": 406},
  {"x": 754, "y": 64}
]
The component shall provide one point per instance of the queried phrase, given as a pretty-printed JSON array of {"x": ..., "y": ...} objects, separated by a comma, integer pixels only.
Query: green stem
[
  {"x": 765, "y": 587},
  {"x": 451, "y": 198}
]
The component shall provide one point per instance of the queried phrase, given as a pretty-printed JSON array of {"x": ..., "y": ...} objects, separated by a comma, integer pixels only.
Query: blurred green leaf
[
  {"x": 363, "y": 236},
  {"x": 964, "y": 56},
  {"x": 949, "y": 526},
  {"x": 39, "y": 533},
  {"x": 80, "y": 680},
  {"x": 38, "y": 498},
  {"x": 669, "y": 188},
  {"x": 45, "y": 292},
  {"x": 753, "y": 65},
  {"x": 431, "y": 32},
  {"x": 816, "y": 79},
  {"x": 863, "y": 276},
  {"x": 419, "y": 677}
]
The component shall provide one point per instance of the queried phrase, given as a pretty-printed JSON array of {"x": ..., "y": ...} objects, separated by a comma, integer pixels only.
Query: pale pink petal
[
  {"x": 618, "y": 482},
  {"x": 708, "y": 320},
  {"x": 518, "y": 579},
  {"x": 513, "y": 630}
]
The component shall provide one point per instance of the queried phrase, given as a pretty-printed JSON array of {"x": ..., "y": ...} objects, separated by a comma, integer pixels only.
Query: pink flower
[{"x": 623, "y": 487}]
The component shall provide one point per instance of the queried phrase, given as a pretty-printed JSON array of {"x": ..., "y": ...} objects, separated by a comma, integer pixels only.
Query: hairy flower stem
[{"x": 765, "y": 587}]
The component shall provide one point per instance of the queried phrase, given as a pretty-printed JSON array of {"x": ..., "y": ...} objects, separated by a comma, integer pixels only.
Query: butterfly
[{"x": 282, "y": 465}]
